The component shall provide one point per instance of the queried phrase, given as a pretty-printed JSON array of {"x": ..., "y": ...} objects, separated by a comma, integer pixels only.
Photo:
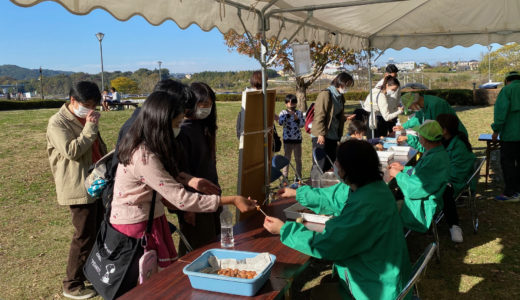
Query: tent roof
[{"x": 380, "y": 24}]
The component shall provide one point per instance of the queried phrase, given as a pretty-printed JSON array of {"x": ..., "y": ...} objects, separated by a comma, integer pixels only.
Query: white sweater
[{"x": 383, "y": 105}]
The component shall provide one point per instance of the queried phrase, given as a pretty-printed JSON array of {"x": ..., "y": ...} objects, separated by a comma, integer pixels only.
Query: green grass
[{"x": 36, "y": 231}]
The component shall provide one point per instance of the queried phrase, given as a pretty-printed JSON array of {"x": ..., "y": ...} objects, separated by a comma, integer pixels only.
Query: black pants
[
  {"x": 510, "y": 163},
  {"x": 205, "y": 231},
  {"x": 450, "y": 208},
  {"x": 86, "y": 219},
  {"x": 330, "y": 149},
  {"x": 384, "y": 128}
]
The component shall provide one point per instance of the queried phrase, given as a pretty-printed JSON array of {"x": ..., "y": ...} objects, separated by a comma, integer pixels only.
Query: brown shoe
[{"x": 81, "y": 293}]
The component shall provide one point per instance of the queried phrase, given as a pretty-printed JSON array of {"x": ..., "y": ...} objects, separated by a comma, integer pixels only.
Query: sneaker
[
  {"x": 504, "y": 198},
  {"x": 456, "y": 234},
  {"x": 81, "y": 293}
]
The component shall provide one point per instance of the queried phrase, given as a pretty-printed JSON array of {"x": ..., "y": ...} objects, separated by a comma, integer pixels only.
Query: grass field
[{"x": 36, "y": 231}]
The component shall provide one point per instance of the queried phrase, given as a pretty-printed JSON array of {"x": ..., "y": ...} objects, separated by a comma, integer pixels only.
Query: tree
[
  {"x": 281, "y": 56},
  {"x": 125, "y": 85},
  {"x": 503, "y": 60}
]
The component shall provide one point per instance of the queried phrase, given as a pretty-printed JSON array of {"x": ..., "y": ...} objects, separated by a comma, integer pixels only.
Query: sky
[{"x": 47, "y": 35}]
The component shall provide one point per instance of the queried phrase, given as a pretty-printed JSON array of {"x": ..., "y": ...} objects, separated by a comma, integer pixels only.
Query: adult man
[
  {"x": 423, "y": 185},
  {"x": 506, "y": 124},
  {"x": 428, "y": 107}
]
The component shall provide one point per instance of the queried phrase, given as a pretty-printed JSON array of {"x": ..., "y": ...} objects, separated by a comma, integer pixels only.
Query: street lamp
[
  {"x": 41, "y": 83},
  {"x": 100, "y": 36},
  {"x": 160, "y": 76},
  {"x": 489, "y": 62}
]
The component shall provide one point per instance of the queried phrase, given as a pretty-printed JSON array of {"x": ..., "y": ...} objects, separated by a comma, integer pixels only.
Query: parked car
[
  {"x": 490, "y": 85},
  {"x": 414, "y": 86}
]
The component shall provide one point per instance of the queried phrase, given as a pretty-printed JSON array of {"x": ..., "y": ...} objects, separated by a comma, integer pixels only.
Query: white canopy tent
[{"x": 354, "y": 24}]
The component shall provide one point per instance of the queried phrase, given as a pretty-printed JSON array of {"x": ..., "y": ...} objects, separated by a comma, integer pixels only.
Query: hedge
[
  {"x": 29, "y": 104},
  {"x": 453, "y": 96}
]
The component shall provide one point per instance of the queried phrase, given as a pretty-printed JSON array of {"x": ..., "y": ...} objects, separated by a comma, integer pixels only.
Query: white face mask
[
  {"x": 342, "y": 91},
  {"x": 202, "y": 113},
  {"x": 176, "y": 131},
  {"x": 81, "y": 111}
]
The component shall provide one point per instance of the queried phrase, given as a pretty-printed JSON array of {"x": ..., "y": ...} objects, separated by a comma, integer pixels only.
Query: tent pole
[
  {"x": 372, "y": 114},
  {"x": 263, "y": 52}
]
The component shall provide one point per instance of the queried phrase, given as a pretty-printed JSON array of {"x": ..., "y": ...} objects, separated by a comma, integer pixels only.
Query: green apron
[
  {"x": 365, "y": 238},
  {"x": 433, "y": 106},
  {"x": 507, "y": 113},
  {"x": 422, "y": 187}
]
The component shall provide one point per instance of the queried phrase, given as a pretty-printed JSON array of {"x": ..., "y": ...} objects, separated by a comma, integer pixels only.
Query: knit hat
[{"x": 430, "y": 130}]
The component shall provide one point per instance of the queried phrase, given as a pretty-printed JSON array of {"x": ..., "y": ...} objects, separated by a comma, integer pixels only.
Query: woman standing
[
  {"x": 198, "y": 138},
  {"x": 148, "y": 161},
  {"x": 385, "y": 107},
  {"x": 329, "y": 118},
  {"x": 73, "y": 144}
]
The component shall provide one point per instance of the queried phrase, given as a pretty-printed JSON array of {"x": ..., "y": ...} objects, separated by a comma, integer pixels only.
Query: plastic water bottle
[
  {"x": 226, "y": 229},
  {"x": 315, "y": 177},
  {"x": 398, "y": 132}
]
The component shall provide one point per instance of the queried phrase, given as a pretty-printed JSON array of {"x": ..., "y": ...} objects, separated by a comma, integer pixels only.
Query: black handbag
[{"x": 113, "y": 264}]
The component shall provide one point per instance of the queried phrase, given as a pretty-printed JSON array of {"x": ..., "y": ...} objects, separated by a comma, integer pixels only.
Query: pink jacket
[{"x": 134, "y": 185}]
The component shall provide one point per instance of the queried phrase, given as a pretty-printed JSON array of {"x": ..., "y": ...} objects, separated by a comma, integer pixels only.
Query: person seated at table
[
  {"x": 423, "y": 185},
  {"x": 427, "y": 107},
  {"x": 147, "y": 162},
  {"x": 365, "y": 238},
  {"x": 462, "y": 160},
  {"x": 385, "y": 107},
  {"x": 357, "y": 130}
]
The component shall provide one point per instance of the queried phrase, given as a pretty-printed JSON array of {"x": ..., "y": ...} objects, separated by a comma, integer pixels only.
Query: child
[
  {"x": 357, "y": 129},
  {"x": 292, "y": 120}
]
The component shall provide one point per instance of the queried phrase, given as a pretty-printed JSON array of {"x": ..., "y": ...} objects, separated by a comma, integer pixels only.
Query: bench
[{"x": 121, "y": 105}]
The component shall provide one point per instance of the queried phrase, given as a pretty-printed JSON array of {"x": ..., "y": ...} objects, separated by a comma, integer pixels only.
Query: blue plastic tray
[{"x": 224, "y": 284}]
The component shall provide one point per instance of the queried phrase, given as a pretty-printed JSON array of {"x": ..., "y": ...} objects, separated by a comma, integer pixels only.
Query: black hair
[
  {"x": 256, "y": 80},
  {"x": 153, "y": 127},
  {"x": 85, "y": 91},
  {"x": 511, "y": 78},
  {"x": 113, "y": 89},
  {"x": 391, "y": 68},
  {"x": 202, "y": 92},
  {"x": 179, "y": 91},
  {"x": 343, "y": 79},
  {"x": 290, "y": 98},
  {"x": 359, "y": 162},
  {"x": 451, "y": 124},
  {"x": 391, "y": 81},
  {"x": 356, "y": 126}
]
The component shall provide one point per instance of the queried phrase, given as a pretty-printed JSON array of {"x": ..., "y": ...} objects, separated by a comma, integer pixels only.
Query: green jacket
[
  {"x": 507, "y": 113},
  {"x": 69, "y": 148},
  {"x": 422, "y": 187},
  {"x": 323, "y": 114},
  {"x": 461, "y": 162},
  {"x": 433, "y": 106},
  {"x": 365, "y": 238}
]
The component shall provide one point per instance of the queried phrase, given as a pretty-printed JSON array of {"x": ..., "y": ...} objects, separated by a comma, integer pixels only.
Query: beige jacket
[
  {"x": 384, "y": 105},
  {"x": 69, "y": 147},
  {"x": 323, "y": 114}
]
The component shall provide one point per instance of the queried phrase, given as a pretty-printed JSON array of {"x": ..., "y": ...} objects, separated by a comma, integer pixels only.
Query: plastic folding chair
[
  {"x": 319, "y": 154},
  {"x": 417, "y": 270}
]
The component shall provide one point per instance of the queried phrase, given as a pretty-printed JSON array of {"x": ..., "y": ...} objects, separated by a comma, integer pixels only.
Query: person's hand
[
  {"x": 402, "y": 139},
  {"x": 276, "y": 117},
  {"x": 379, "y": 147},
  {"x": 201, "y": 185},
  {"x": 393, "y": 172},
  {"x": 244, "y": 204},
  {"x": 397, "y": 128},
  {"x": 400, "y": 109},
  {"x": 397, "y": 166},
  {"x": 286, "y": 193},
  {"x": 351, "y": 117},
  {"x": 93, "y": 116},
  {"x": 273, "y": 225},
  {"x": 189, "y": 217},
  {"x": 494, "y": 137},
  {"x": 321, "y": 140}
]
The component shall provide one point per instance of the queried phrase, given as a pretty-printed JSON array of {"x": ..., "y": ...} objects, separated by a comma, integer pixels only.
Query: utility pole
[
  {"x": 160, "y": 76},
  {"x": 100, "y": 36},
  {"x": 41, "y": 84},
  {"x": 489, "y": 62}
]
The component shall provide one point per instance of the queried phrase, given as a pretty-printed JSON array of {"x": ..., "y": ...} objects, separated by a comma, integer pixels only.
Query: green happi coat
[
  {"x": 423, "y": 186},
  {"x": 365, "y": 238},
  {"x": 433, "y": 106},
  {"x": 507, "y": 113},
  {"x": 461, "y": 162}
]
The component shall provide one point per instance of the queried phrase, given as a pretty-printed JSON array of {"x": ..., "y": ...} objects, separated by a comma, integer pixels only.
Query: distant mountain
[{"x": 20, "y": 73}]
